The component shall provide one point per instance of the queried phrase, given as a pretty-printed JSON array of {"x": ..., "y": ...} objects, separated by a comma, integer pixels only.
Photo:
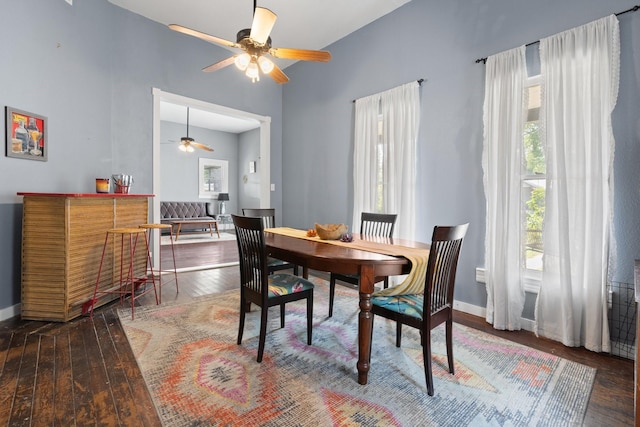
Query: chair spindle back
[
  {"x": 252, "y": 253},
  {"x": 374, "y": 224},
  {"x": 442, "y": 265},
  {"x": 268, "y": 215}
]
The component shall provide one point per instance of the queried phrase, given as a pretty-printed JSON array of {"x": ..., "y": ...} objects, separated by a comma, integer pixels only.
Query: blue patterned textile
[
  {"x": 285, "y": 284},
  {"x": 411, "y": 305}
]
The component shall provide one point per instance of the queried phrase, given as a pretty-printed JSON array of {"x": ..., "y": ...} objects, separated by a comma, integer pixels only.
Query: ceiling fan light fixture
[
  {"x": 182, "y": 147},
  {"x": 265, "y": 64},
  {"x": 252, "y": 71},
  {"x": 256, "y": 42},
  {"x": 242, "y": 61}
]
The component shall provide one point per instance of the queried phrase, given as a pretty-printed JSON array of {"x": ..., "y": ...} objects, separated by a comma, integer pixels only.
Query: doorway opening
[{"x": 161, "y": 98}]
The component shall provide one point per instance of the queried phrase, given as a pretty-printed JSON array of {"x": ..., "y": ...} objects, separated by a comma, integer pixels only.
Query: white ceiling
[
  {"x": 302, "y": 24},
  {"x": 205, "y": 119}
]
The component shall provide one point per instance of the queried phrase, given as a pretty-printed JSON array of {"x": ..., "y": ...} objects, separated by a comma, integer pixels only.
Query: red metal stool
[
  {"x": 160, "y": 271},
  {"x": 128, "y": 284}
]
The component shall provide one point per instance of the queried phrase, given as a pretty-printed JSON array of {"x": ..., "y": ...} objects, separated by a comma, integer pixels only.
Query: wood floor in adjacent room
[{"x": 83, "y": 372}]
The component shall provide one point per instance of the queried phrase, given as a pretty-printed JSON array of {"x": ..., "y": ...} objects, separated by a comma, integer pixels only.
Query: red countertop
[{"x": 88, "y": 195}]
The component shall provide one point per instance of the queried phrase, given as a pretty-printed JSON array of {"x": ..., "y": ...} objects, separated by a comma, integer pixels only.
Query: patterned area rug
[{"x": 199, "y": 376}]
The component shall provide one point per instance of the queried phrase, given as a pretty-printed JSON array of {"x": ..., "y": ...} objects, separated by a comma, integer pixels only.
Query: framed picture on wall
[{"x": 27, "y": 135}]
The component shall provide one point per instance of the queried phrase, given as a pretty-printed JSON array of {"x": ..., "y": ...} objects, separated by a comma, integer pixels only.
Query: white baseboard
[
  {"x": 527, "y": 324},
  {"x": 9, "y": 312},
  {"x": 470, "y": 309}
]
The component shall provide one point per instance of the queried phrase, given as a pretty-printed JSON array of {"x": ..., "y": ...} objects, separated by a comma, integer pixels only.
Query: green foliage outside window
[{"x": 534, "y": 153}]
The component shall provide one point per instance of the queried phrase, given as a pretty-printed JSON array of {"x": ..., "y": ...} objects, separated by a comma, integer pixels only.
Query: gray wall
[
  {"x": 248, "y": 183},
  {"x": 440, "y": 41},
  {"x": 90, "y": 68}
]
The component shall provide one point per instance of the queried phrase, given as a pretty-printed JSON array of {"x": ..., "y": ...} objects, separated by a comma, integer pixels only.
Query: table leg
[
  {"x": 178, "y": 232},
  {"x": 217, "y": 229},
  {"x": 365, "y": 323}
]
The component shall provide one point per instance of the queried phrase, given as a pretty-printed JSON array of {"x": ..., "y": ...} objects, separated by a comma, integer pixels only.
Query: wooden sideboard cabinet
[{"x": 62, "y": 240}]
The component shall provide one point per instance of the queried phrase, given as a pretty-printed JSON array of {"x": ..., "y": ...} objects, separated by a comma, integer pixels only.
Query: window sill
[{"x": 531, "y": 282}]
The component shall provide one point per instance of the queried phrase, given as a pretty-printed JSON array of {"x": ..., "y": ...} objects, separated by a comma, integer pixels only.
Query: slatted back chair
[
  {"x": 437, "y": 297},
  {"x": 371, "y": 224},
  {"x": 259, "y": 287},
  {"x": 268, "y": 216}
]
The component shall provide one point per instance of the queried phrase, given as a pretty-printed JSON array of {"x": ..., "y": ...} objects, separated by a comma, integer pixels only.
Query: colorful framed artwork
[{"x": 27, "y": 135}]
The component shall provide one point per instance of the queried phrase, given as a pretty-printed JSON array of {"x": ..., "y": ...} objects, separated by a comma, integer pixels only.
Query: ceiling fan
[
  {"x": 187, "y": 143},
  {"x": 256, "y": 44}
]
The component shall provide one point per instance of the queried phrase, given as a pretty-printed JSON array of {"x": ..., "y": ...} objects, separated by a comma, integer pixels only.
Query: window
[
  {"x": 213, "y": 177},
  {"x": 533, "y": 181}
]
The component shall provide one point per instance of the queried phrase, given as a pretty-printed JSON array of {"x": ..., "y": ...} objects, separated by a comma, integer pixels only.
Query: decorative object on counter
[
  {"x": 330, "y": 231},
  {"x": 26, "y": 135},
  {"x": 122, "y": 183},
  {"x": 222, "y": 198},
  {"x": 311, "y": 232},
  {"x": 346, "y": 237},
  {"x": 102, "y": 185}
]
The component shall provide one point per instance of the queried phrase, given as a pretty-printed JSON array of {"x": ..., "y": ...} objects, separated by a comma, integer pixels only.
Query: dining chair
[
  {"x": 437, "y": 297},
  {"x": 268, "y": 216},
  {"x": 261, "y": 288},
  {"x": 371, "y": 224}
]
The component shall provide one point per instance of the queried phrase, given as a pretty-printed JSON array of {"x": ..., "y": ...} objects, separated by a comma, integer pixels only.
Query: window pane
[
  {"x": 212, "y": 179},
  {"x": 534, "y": 184},
  {"x": 533, "y": 150},
  {"x": 534, "y": 192}
]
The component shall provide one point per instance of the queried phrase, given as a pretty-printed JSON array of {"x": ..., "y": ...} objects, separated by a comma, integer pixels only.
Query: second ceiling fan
[
  {"x": 187, "y": 143},
  {"x": 256, "y": 44}
]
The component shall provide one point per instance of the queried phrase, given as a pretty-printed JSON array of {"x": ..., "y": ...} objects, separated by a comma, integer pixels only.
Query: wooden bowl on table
[{"x": 330, "y": 231}]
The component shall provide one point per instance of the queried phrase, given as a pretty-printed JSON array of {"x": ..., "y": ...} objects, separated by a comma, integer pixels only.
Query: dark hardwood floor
[
  {"x": 83, "y": 372},
  {"x": 196, "y": 255}
]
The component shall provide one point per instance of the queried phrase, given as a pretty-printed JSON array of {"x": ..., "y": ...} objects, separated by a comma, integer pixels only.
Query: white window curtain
[
  {"x": 580, "y": 69},
  {"x": 399, "y": 109},
  {"x": 504, "y": 117}
]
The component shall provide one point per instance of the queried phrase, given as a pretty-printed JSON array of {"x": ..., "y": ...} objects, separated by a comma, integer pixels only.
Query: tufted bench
[{"x": 180, "y": 211}]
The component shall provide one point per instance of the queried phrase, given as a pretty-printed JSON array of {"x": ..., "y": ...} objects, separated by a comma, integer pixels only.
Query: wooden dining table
[{"x": 323, "y": 256}]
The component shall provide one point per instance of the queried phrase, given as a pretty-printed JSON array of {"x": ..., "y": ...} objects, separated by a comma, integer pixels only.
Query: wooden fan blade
[
  {"x": 278, "y": 75},
  {"x": 203, "y": 36},
  {"x": 219, "y": 65},
  {"x": 300, "y": 54},
  {"x": 201, "y": 146},
  {"x": 263, "y": 21}
]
